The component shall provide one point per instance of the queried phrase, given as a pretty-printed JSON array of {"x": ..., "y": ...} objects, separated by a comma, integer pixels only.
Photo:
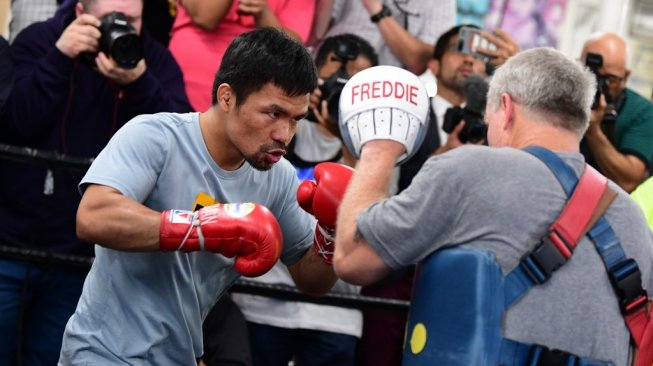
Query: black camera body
[
  {"x": 594, "y": 61},
  {"x": 120, "y": 41},
  {"x": 475, "y": 128},
  {"x": 331, "y": 90},
  {"x": 332, "y": 87}
]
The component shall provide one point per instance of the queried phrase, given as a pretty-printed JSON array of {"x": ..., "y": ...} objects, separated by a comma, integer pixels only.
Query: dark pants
[
  {"x": 383, "y": 331},
  {"x": 226, "y": 341},
  {"x": 35, "y": 305},
  {"x": 274, "y": 346}
]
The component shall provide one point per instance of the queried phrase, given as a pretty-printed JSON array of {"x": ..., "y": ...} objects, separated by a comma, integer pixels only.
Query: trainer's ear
[
  {"x": 226, "y": 97},
  {"x": 508, "y": 107}
]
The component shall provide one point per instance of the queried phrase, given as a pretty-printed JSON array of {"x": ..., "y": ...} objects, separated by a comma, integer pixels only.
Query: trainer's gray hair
[{"x": 547, "y": 83}]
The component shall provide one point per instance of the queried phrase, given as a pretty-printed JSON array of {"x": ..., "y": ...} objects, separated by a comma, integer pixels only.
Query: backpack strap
[
  {"x": 624, "y": 274},
  {"x": 590, "y": 197}
]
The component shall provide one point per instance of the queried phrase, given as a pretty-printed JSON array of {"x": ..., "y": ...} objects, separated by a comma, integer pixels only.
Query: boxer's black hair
[{"x": 256, "y": 58}]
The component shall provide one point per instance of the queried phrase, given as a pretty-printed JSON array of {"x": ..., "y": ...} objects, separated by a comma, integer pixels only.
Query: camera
[
  {"x": 119, "y": 40},
  {"x": 475, "y": 128},
  {"x": 469, "y": 39},
  {"x": 594, "y": 61},
  {"x": 475, "y": 90},
  {"x": 345, "y": 51}
]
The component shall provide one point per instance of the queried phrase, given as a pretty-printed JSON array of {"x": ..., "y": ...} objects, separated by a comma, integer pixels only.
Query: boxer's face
[{"x": 264, "y": 124}]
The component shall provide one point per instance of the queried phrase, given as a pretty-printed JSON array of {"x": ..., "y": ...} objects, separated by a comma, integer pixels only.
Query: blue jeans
[
  {"x": 35, "y": 304},
  {"x": 273, "y": 346}
]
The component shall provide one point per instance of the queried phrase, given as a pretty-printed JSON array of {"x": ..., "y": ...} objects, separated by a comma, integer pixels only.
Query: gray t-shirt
[
  {"x": 27, "y": 12},
  {"x": 148, "y": 308},
  {"x": 503, "y": 200}
]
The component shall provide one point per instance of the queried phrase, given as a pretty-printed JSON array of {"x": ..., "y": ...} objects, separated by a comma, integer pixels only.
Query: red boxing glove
[
  {"x": 247, "y": 231},
  {"x": 321, "y": 199}
]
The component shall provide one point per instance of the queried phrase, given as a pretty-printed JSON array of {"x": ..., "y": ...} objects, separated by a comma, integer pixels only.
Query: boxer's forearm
[
  {"x": 312, "y": 275},
  {"x": 110, "y": 219}
]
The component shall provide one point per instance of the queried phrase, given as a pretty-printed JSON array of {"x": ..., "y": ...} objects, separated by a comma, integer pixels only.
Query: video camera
[
  {"x": 475, "y": 91},
  {"x": 119, "y": 40},
  {"x": 346, "y": 50}
]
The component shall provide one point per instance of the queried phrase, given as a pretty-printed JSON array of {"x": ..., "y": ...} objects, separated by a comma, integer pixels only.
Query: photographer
[
  {"x": 70, "y": 96},
  {"x": 311, "y": 334},
  {"x": 451, "y": 68},
  {"x": 338, "y": 59},
  {"x": 619, "y": 141}
]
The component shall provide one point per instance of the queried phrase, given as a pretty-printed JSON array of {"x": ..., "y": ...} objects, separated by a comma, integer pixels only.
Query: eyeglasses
[{"x": 611, "y": 79}]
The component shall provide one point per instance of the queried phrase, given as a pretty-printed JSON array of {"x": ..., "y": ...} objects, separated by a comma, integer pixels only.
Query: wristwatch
[{"x": 385, "y": 12}]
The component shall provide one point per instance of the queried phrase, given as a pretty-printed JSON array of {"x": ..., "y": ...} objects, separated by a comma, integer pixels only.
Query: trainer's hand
[
  {"x": 247, "y": 231},
  {"x": 321, "y": 199},
  {"x": 107, "y": 67},
  {"x": 82, "y": 35}
]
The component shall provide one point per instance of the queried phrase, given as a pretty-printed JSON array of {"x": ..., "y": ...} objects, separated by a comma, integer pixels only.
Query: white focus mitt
[{"x": 384, "y": 103}]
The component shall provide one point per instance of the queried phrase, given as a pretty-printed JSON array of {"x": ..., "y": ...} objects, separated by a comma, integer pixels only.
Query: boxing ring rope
[
  {"x": 47, "y": 158},
  {"x": 243, "y": 286}
]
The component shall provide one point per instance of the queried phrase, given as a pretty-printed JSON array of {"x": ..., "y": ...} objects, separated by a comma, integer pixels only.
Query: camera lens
[
  {"x": 126, "y": 51},
  {"x": 120, "y": 41}
]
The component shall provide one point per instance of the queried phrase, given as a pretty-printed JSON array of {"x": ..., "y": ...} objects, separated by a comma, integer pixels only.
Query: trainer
[{"x": 502, "y": 199}]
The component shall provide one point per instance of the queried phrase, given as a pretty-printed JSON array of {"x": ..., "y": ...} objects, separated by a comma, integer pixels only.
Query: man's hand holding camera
[
  {"x": 90, "y": 37},
  {"x": 320, "y": 109},
  {"x": 108, "y": 67},
  {"x": 82, "y": 35},
  {"x": 596, "y": 117},
  {"x": 453, "y": 139},
  {"x": 505, "y": 47},
  {"x": 324, "y": 102}
]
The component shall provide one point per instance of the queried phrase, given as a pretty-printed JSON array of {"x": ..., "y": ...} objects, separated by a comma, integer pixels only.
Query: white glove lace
[{"x": 194, "y": 223}]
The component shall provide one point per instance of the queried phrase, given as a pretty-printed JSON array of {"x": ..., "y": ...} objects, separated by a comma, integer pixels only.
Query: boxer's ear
[{"x": 226, "y": 97}]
